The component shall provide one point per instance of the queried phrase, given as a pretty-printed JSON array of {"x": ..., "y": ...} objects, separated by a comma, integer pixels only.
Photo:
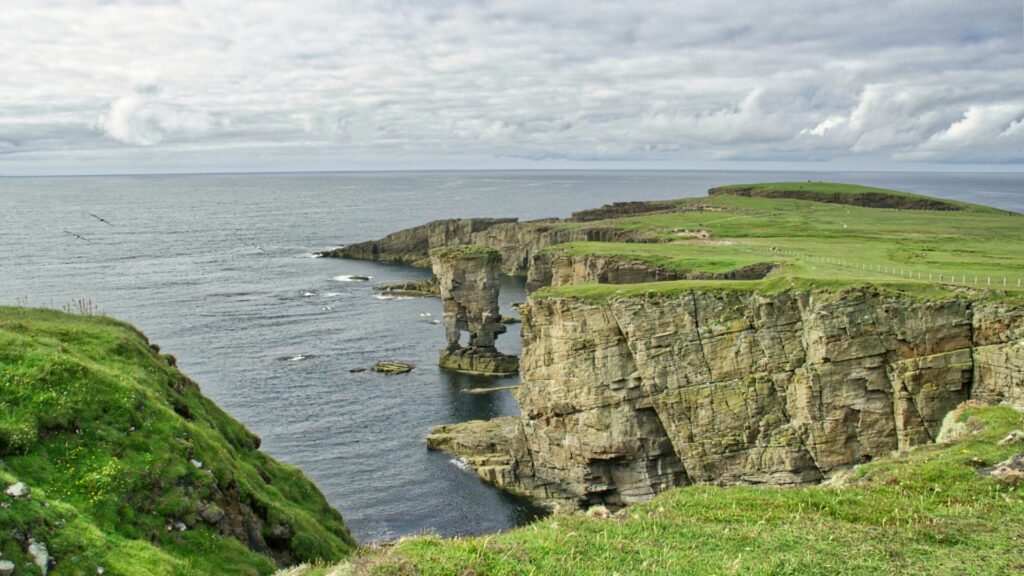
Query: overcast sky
[{"x": 260, "y": 85}]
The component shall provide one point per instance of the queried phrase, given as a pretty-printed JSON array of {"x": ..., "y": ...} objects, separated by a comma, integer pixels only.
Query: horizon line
[{"x": 441, "y": 170}]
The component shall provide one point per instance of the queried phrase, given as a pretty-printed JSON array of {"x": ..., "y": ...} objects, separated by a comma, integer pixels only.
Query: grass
[
  {"x": 103, "y": 430},
  {"x": 843, "y": 192},
  {"x": 830, "y": 243},
  {"x": 927, "y": 511}
]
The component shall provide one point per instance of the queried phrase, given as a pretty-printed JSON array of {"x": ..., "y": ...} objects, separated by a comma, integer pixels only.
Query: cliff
[
  {"x": 518, "y": 243},
  {"x": 626, "y": 398},
  {"x": 128, "y": 469},
  {"x": 767, "y": 334}
]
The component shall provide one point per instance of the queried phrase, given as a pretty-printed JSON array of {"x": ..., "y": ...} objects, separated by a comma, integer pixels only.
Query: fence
[{"x": 942, "y": 277}]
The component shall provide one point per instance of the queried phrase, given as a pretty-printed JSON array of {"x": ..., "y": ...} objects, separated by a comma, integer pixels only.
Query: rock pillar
[{"x": 468, "y": 281}]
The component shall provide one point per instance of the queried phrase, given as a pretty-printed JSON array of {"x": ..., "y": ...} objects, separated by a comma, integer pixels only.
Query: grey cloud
[{"x": 390, "y": 83}]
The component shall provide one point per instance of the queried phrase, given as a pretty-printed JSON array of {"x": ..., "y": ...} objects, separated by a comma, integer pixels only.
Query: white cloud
[
  {"x": 141, "y": 119},
  {"x": 491, "y": 80}
]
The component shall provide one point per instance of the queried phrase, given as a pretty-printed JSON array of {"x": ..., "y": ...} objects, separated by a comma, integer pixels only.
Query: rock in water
[
  {"x": 391, "y": 367},
  {"x": 468, "y": 280}
]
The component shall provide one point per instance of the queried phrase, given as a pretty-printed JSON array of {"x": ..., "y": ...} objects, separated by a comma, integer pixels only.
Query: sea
[{"x": 219, "y": 270}]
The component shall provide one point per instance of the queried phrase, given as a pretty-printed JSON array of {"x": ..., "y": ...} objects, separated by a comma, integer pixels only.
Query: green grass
[
  {"x": 923, "y": 512},
  {"x": 818, "y": 241},
  {"x": 843, "y": 193},
  {"x": 102, "y": 428},
  {"x": 697, "y": 257}
]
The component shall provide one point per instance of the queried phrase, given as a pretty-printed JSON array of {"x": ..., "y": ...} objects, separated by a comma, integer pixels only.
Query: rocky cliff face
[
  {"x": 558, "y": 269},
  {"x": 518, "y": 243},
  {"x": 622, "y": 400}
]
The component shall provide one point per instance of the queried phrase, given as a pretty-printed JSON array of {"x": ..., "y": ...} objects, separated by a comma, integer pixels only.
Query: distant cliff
[{"x": 519, "y": 243}]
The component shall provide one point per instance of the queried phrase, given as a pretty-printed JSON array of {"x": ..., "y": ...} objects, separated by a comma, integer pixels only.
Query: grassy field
[
  {"x": 927, "y": 511},
  {"x": 829, "y": 243},
  {"x": 104, "y": 431}
]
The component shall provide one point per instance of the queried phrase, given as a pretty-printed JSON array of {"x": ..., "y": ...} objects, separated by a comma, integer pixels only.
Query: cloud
[
  {"x": 386, "y": 82},
  {"x": 140, "y": 119}
]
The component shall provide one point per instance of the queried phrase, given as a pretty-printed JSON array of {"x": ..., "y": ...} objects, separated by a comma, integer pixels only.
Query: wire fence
[{"x": 939, "y": 276}]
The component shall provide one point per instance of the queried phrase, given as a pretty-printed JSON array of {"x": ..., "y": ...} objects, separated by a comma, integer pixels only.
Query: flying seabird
[{"x": 100, "y": 219}]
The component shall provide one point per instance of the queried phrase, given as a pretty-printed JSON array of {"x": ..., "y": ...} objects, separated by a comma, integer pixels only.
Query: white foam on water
[
  {"x": 308, "y": 294},
  {"x": 460, "y": 463},
  {"x": 330, "y": 294},
  {"x": 295, "y": 358},
  {"x": 390, "y": 297},
  {"x": 351, "y": 278}
]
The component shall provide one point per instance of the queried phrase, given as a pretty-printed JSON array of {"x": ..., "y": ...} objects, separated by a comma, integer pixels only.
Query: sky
[{"x": 101, "y": 86}]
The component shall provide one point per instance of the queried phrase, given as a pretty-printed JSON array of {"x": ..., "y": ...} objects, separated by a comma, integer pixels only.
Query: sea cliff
[{"x": 679, "y": 344}]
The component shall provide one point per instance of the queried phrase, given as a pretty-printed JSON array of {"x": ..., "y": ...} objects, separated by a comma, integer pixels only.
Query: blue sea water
[{"x": 217, "y": 269}]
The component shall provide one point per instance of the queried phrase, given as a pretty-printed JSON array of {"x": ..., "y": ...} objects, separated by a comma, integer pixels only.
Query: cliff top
[
  {"x": 131, "y": 468},
  {"x": 817, "y": 234},
  {"x": 840, "y": 193}
]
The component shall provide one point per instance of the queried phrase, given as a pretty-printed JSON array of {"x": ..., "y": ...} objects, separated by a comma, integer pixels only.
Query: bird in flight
[
  {"x": 100, "y": 219},
  {"x": 79, "y": 236}
]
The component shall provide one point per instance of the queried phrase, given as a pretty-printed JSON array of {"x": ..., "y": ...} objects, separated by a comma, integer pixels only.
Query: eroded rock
[
  {"x": 468, "y": 280},
  {"x": 623, "y": 399}
]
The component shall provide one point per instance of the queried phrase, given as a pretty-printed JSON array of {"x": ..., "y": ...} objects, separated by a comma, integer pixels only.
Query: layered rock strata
[
  {"x": 467, "y": 277},
  {"x": 517, "y": 242},
  {"x": 623, "y": 399},
  {"x": 559, "y": 269}
]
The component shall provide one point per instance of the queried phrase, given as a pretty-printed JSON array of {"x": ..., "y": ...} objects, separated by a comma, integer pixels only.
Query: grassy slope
[
  {"x": 923, "y": 512},
  {"x": 91, "y": 418},
  {"x": 827, "y": 244}
]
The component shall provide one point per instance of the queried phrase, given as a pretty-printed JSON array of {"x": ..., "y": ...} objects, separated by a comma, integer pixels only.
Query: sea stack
[{"x": 468, "y": 281}]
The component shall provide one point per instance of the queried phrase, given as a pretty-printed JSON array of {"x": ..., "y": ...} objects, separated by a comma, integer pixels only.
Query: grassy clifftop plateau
[
  {"x": 130, "y": 470},
  {"x": 822, "y": 234},
  {"x": 934, "y": 510}
]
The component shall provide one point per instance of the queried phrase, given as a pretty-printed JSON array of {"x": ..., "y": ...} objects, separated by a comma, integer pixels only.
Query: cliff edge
[{"x": 112, "y": 461}]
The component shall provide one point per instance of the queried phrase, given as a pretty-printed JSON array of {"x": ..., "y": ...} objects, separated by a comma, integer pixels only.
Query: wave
[
  {"x": 390, "y": 297},
  {"x": 352, "y": 278},
  {"x": 460, "y": 463}
]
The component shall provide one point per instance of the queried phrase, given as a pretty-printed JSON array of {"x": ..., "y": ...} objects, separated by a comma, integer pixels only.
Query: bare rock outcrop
[
  {"x": 518, "y": 243},
  {"x": 623, "y": 399},
  {"x": 467, "y": 277},
  {"x": 560, "y": 269}
]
